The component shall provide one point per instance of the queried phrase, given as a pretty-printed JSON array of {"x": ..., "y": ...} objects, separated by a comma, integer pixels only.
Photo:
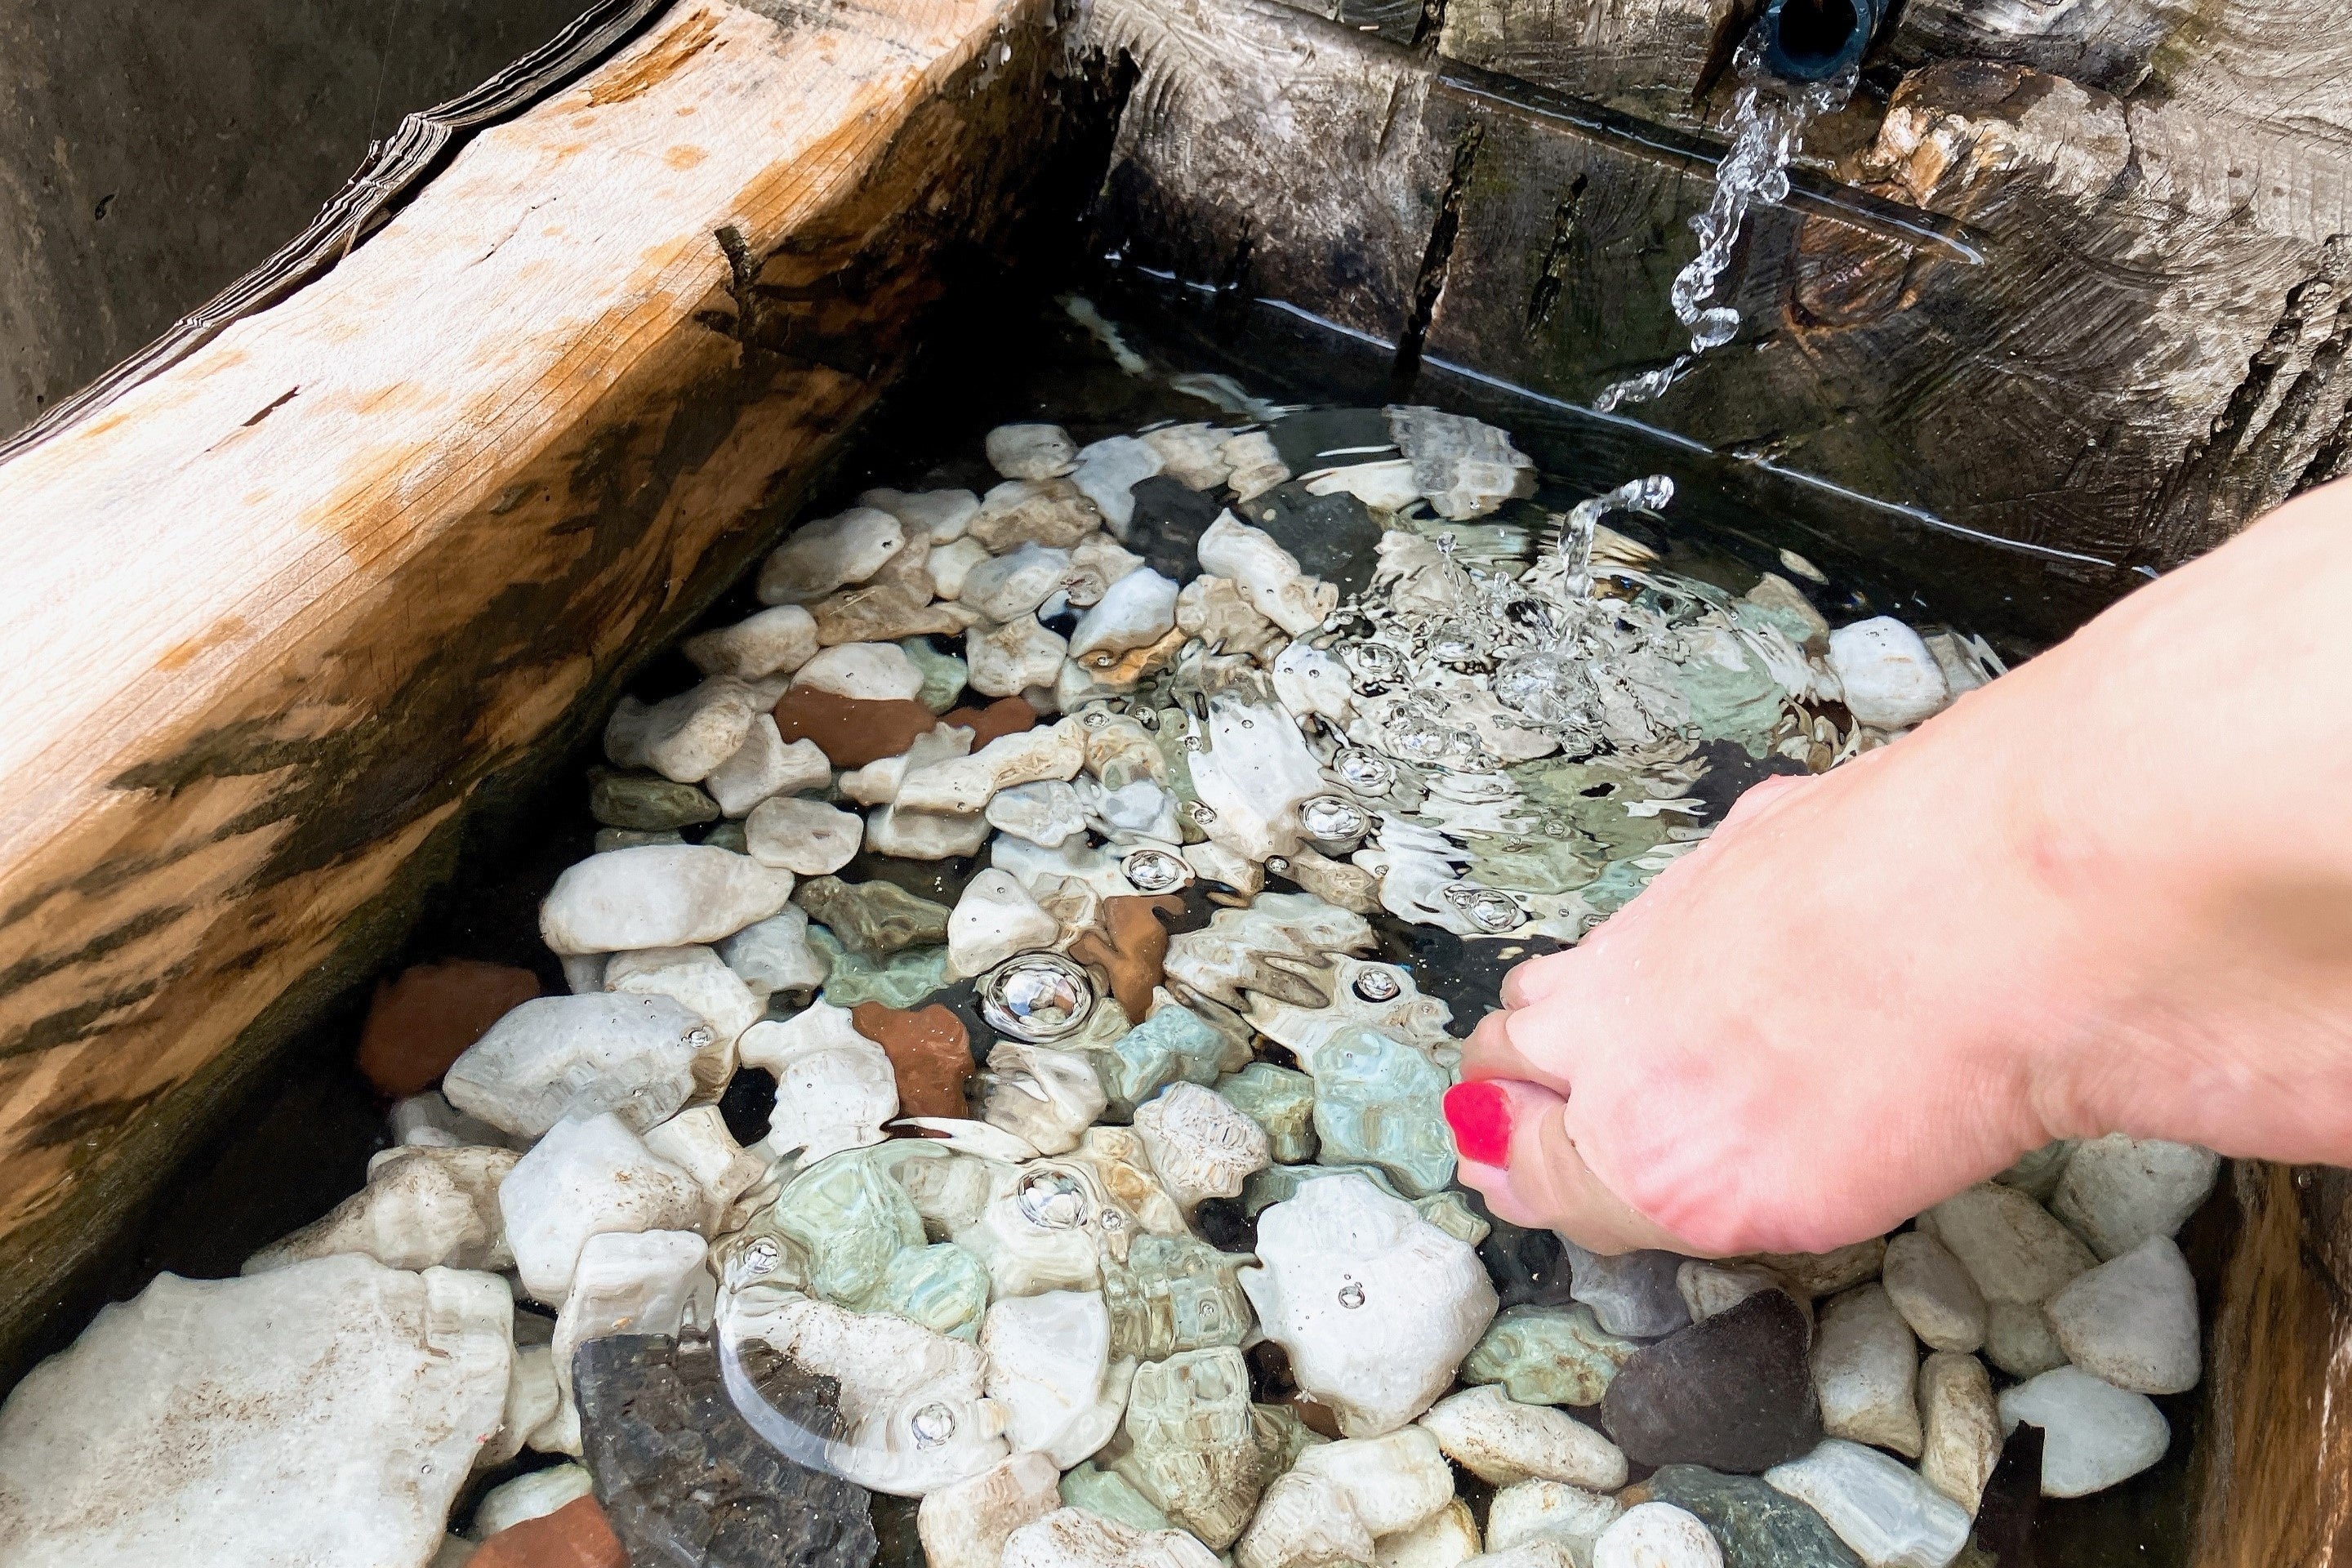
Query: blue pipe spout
[{"x": 1815, "y": 40}]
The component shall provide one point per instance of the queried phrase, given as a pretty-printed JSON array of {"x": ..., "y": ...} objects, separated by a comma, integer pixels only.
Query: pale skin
[{"x": 2111, "y": 892}]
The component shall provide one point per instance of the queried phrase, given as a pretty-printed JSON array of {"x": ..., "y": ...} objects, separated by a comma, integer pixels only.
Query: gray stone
[
  {"x": 1756, "y": 1526},
  {"x": 1634, "y": 1294},
  {"x": 1865, "y": 1364},
  {"x": 1733, "y": 1392},
  {"x": 1934, "y": 1292},
  {"x": 1878, "y": 1506},
  {"x": 683, "y": 1477},
  {"x": 646, "y": 802},
  {"x": 2133, "y": 1319},
  {"x": 874, "y": 920},
  {"x": 2095, "y": 1434},
  {"x": 2117, "y": 1191}
]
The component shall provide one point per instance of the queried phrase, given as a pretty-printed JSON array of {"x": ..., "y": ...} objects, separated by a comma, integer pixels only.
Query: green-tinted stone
[
  {"x": 943, "y": 674},
  {"x": 873, "y": 918},
  {"x": 941, "y": 1287},
  {"x": 1173, "y": 1043},
  {"x": 1378, "y": 1101},
  {"x": 1548, "y": 1355},
  {"x": 1111, "y": 1496},
  {"x": 1755, "y": 1526},
  {"x": 902, "y": 980},
  {"x": 1282, "y": 1437},
  {"x": 646, "y": 802},
  {"x": 1531, "y": 863},
  {"x": 1191, "y": 1442},
  {"x": 1280, "y": 1101},
  {"x": 1280, "y": 1183},
  {"x": 1174, "y": 1293},
  {"x": 852, "y": 1219},
  {"x": 608, "y": 839},
  {"x": 1742, "y": 705},
  {"x": 728, "y": 836},
  {"x": 1450, "y": 1213}
]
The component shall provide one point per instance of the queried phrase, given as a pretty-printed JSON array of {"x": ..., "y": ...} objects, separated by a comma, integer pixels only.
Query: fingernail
[{"x": 1480, "y": 1115}]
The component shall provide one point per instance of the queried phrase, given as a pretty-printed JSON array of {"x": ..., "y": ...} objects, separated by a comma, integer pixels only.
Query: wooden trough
[{"x": 390, "y": 520}]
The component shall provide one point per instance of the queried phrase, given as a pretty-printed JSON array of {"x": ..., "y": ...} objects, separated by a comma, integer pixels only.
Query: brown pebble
[
  {"x": 929, "y": 1052},
  {"x": 851, "y": 730},
  {"x": 425, "y": 1019},
  {"x": 1005, "y": 716},
  {"x": 1132, "y": 945},
  {"x": 577, "y": 1535},
  {"x": 1316, "y": 1416}
]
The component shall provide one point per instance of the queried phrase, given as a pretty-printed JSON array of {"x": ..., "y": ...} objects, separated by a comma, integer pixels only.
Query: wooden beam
[{"x": 282, "y": 613}]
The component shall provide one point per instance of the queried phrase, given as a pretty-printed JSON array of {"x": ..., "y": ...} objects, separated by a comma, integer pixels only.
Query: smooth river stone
[
  {"x": 685, "y": 1479},
  {"x": 646, "y": 801},
  {"x": 421, "y": 1022},
  {"x": 1005, "y": 716},
  {"x": 849, "y": 731},
  {"x": 1877, "y": 1505},
  {"x": 2133, "y": 1319},
  {"x": 902, "y": 980},
  {"x": 2013, "y": 1250},
  {"x": 874, "y": 920},
  {"x": 1502, "y": 1441},
  {"x": 1733, "y": 1392},
  {"x": 1634, "y": 1294},
  {"x": 1865, "y": 1368},
  {"x": 2117, "y": 1191},
  {"x": 1756, "y": 1526},
  {"x": 1131, "y": 944},
  {"x": 1827, "y": 1273},
  {"x": 323, "y": 1415},
  {"x": 930, "y": 1051},
  {"x": 661, "y": 895},
  {"x": 1279, "y": 1099},
  {"x": 2095, "y": 1434},
  {"x": 1657, "y": 1535},
  {"x": 554, "y": 1057},
  {"x": 1963, "y": 1427},
  {"x": 1378, "y": 1101},
  {"x": 1934, "y": 1292},
  {"x": 1548, "y": 1355},
  {"x": 577, "y": 1535}
]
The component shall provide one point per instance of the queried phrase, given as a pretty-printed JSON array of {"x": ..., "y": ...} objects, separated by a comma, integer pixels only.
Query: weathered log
[
  {"x": 2145, "y": 358},
  {"x": 282, "y": 612}
]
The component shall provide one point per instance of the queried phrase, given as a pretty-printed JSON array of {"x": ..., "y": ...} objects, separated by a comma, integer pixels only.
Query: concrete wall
[{"x": 151, "y": 152}]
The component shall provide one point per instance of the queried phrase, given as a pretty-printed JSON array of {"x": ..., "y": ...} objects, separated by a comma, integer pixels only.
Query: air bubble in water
[
  {"x": 1378, "y": 984},
  {"x": 1366, "y": 771},
  {"x": 1154, "y": 871},
  {"x": 1036, "y": 997},
  {"x": 1351, "y": 1295},
  {"x": 1330, "y": 818},
  {"x": 932, "y": 1425}
]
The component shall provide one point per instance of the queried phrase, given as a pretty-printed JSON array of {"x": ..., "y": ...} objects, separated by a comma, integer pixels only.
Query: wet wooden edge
[{"x": 201, "y": 845}]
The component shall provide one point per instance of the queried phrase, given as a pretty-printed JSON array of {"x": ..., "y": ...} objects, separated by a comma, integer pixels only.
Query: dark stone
[
  {"x": 1061, "y": 622},
  {"x": 1527, "y": 1267},
  {"x": 1332, "y": 537},
  {"x": 1271, "y": 1381},
  {"x": 1730, "y": 773},
  {"x": 873, "y": 918},
  {"x": 2011, "y": 1497},
  {"x": 1332, "y": 437},
  {"x": 938, "y": 882},
  {"x": 893, "y": 1527},
  {"x": 963, "y": 999},
  {"x": 1755, "y": 1526},
  {"x": 646, "y": 801},
  {"x": 1466, "y": 975},
  {"x": 683, "y": 1477},
  {"x": 748, "y": 1103},
  {"x": 1733, "y": 1392},
  {"x": 1634, "y": 1294},
  {"x": 1225, "y": 1225},
  {"x": 1170, "y": 518}
]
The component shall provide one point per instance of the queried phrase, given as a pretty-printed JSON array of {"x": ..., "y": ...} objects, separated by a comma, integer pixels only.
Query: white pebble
[
  {"x": 684, "y": 738},
  {"x": 764, "y": 766},
  {"x": 805, "y": 836},
  {"x": 835, "y": 1088},
  {"x": 1001, "y": 661},
  {"x": 2116, "y": 1192},
  {"x": 1047, "y": 813},
  {"x": 775, "y": 641},
  {"x": 1877, "y": 1505},
  {"x": 829, "y": 555},
  {"x": 559, "y": 1056},
  {"x": 2133, "y": 1319},
  {"x": 1134, "y": 612},
  {"x": 1107, "y": 473},
  {"x": 1030, "y": 451},
  {"x": 1865, "y": 1364},
  {"x": 1010, "y": 586},
  {"x": 939, "y": 516},
  {"x": 993, "y": 919},
  {"x": 1531, "y": 1510},
  {"x": 2093, "y": 1433},
  {"x": 697, "y": 979},
  {"x": 1889, "y": 678},
  {"x": 589, "y": 1176},
  {"x": 1934, "y": 1292},
  {"x": 1657, "y": 1535},
  {"x": 870, "y": 671},
  {"x": 658, "y": 895},
  {"x": 1501, "y": 1441}
]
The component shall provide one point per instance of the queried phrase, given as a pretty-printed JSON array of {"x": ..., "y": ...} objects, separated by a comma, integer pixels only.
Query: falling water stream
[{"x": 1767, "y": 122}]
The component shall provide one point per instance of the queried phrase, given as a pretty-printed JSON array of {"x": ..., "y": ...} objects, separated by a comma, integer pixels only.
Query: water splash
[{"x": 1767, "y": 122}]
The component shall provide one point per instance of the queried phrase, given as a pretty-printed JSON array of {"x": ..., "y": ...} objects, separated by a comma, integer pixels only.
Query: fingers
[{"x": 1515, "y": 1151}]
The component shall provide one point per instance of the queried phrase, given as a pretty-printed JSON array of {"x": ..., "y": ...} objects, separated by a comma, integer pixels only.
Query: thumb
[{"x": 1517, "y": 1152}]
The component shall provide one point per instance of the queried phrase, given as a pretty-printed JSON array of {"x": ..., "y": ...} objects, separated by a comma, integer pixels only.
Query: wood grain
[{"x": 282, "y": 613}]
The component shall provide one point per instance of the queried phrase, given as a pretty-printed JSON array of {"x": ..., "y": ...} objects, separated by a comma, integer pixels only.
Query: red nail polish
[{"x": 1480, "y": 1115}]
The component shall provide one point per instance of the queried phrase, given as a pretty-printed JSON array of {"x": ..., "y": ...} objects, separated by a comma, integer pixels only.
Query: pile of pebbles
[{"x": 1010, "y": 1002}]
